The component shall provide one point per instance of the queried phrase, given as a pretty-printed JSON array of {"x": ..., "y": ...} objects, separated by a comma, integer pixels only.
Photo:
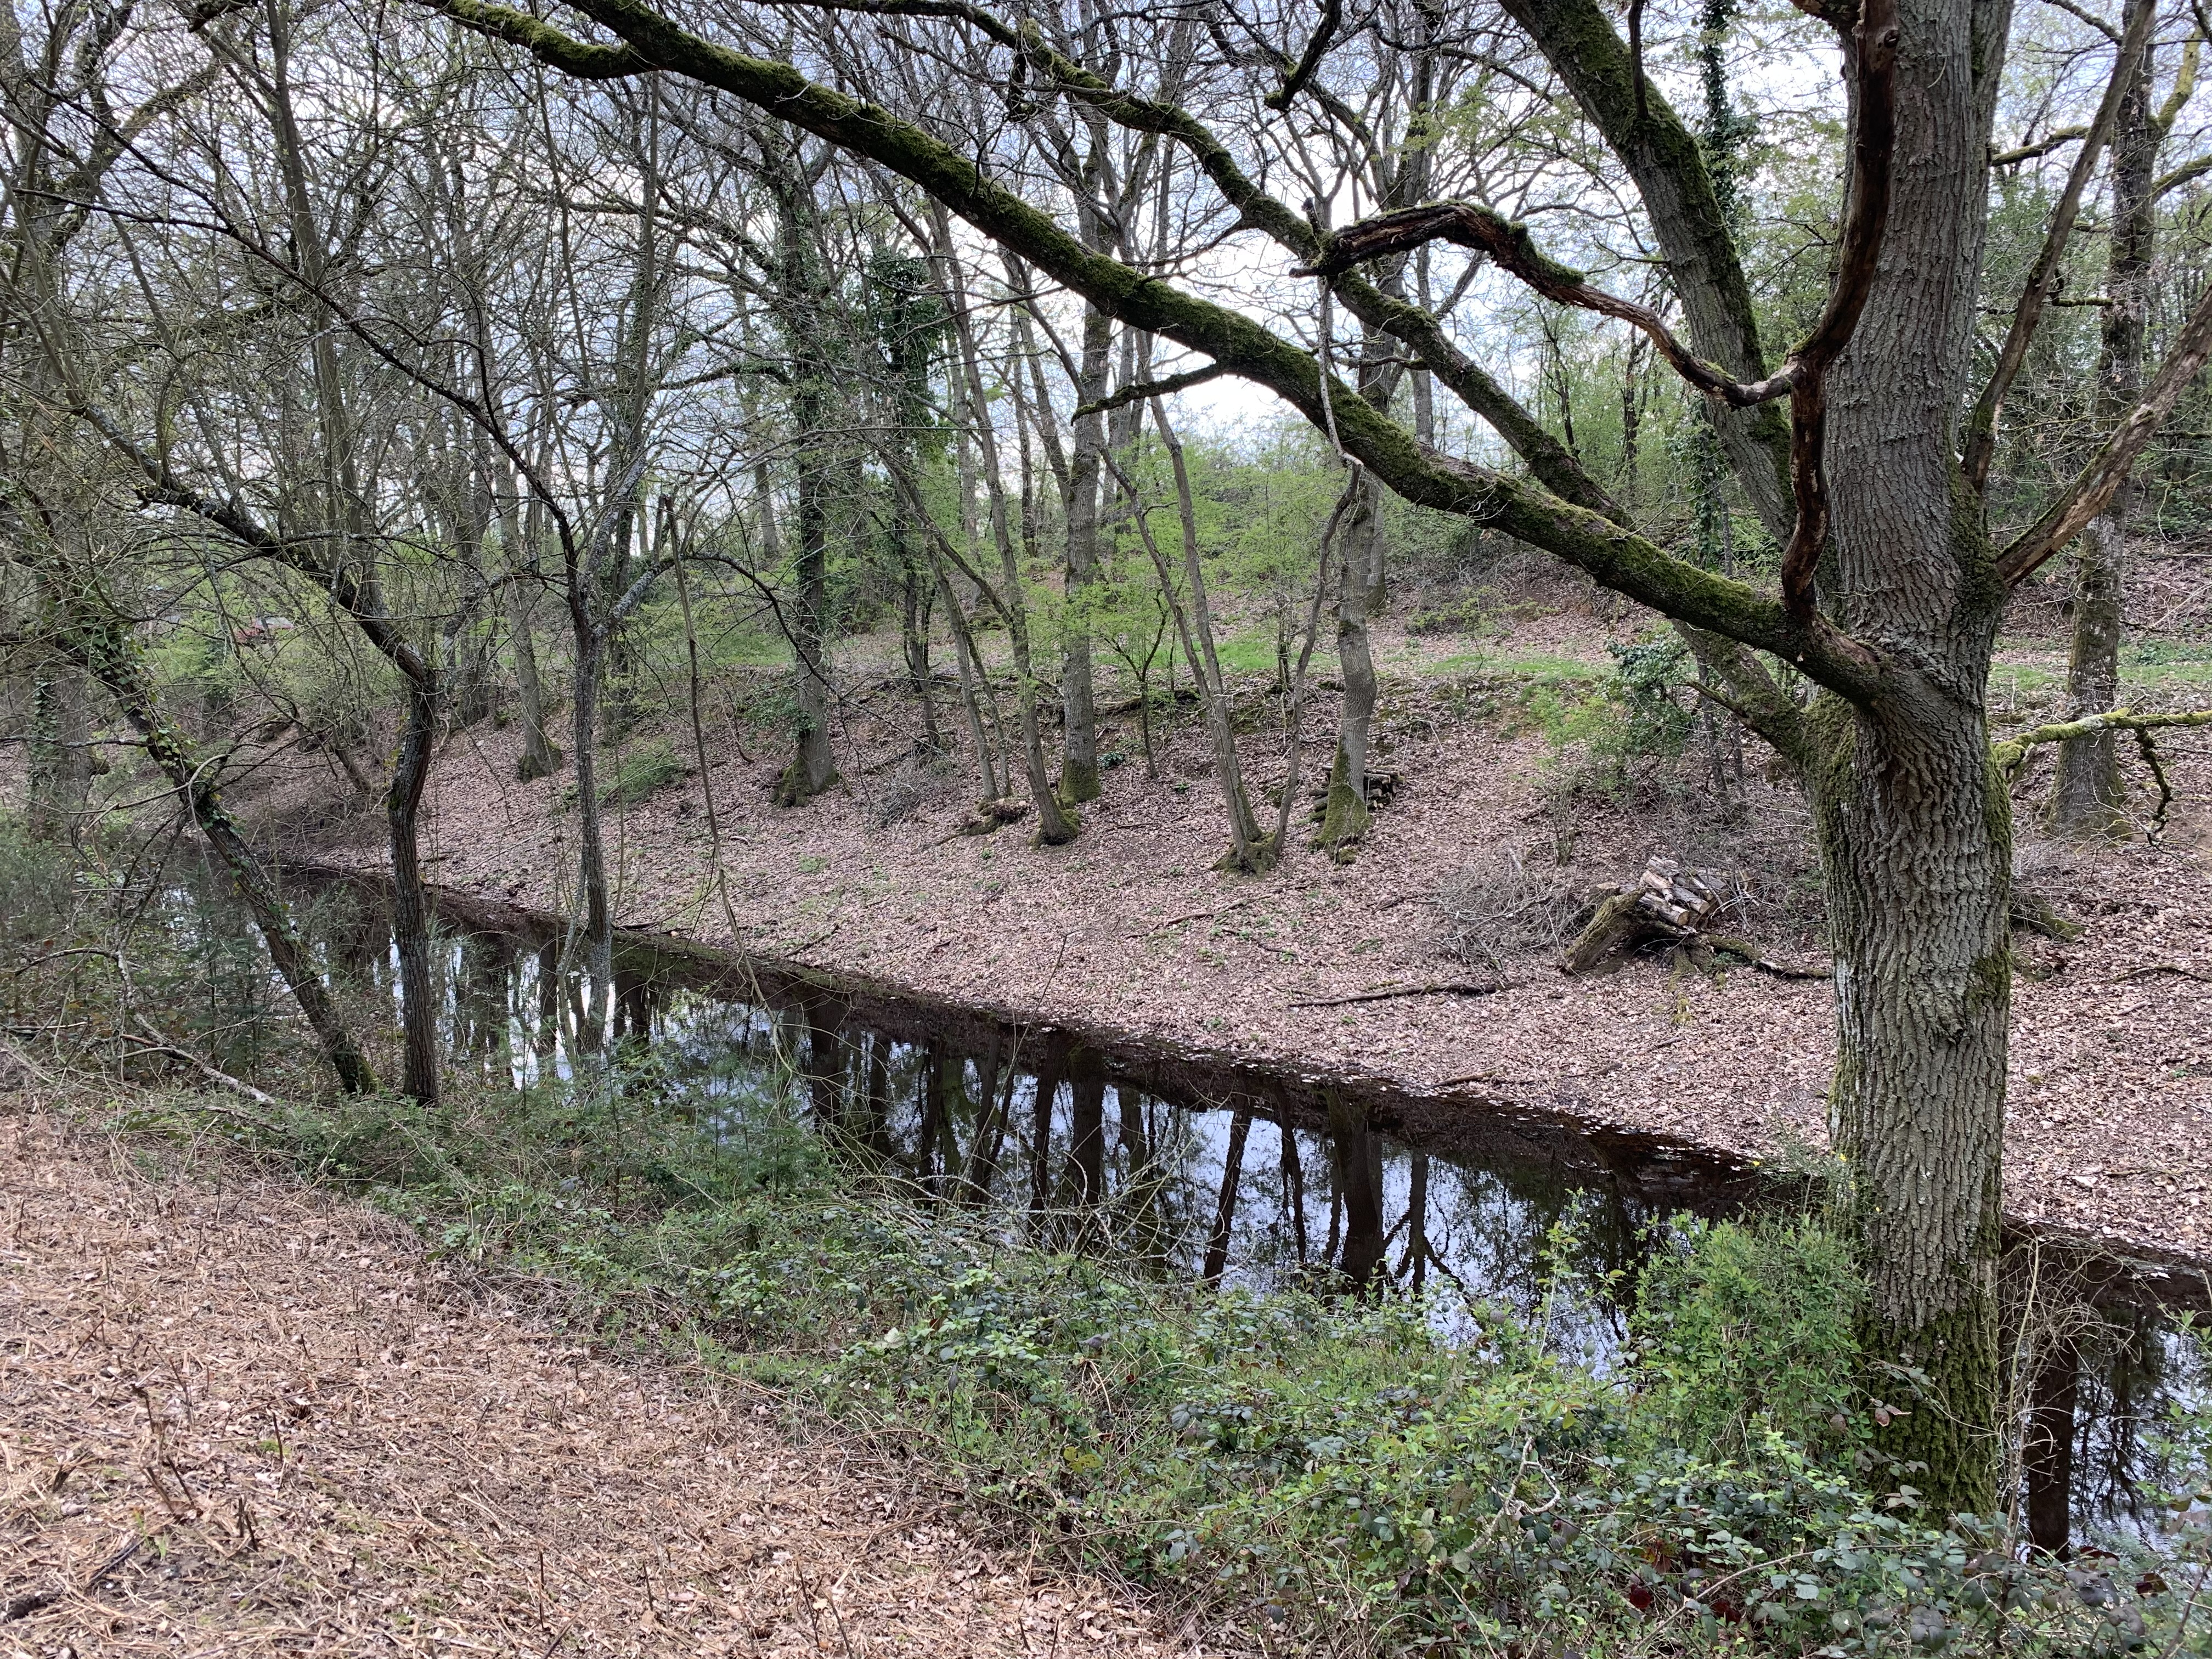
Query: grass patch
[
  {"x": 1336, "y": 1462},
  {"x": 1536, "y": 667}
]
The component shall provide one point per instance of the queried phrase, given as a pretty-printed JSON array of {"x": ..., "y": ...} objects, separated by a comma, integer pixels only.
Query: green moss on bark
[
  {"x": 1344, "y": 814},
  {"x": 1941, "y": 1431}
]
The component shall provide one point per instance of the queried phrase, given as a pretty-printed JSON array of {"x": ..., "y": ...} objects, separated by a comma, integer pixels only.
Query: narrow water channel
[{"x": 1184, "y": 1163}]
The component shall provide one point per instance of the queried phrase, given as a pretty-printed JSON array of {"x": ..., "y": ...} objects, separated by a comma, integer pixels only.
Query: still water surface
[{"x": 1196, "y": 1165}]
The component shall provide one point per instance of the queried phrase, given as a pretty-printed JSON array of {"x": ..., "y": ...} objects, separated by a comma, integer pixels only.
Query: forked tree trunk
[
  {"x": 916, "y": 595},
  {"x": 540, "y": 758}
]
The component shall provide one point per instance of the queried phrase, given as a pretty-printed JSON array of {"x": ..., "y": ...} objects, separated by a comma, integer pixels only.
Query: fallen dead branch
[
  {"x": 1442, "y": 988},
  {"x": 154, "y": 1040},
  {"x": 1198, "y": 915}
]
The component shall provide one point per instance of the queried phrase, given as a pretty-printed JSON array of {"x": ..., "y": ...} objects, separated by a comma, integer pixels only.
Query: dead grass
[
  {"x": 1504, "y": 904},
  {"x": 240, "y": 1419}
]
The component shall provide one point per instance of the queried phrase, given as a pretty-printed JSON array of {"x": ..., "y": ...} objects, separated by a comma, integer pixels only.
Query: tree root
[
  {"x": 2036, "y": 916},
  {"x": 993, "y": 815}
]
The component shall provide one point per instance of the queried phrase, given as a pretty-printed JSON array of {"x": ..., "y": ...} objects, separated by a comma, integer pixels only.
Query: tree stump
[
  {"x": 994, "y": 815},
  {"x": 1669, "y": 905}
]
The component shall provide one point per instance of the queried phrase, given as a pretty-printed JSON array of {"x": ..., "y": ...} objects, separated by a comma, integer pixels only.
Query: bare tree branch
[
  {"x": 1982, "y": 425},
  {"x": 2069, "y": 513}
]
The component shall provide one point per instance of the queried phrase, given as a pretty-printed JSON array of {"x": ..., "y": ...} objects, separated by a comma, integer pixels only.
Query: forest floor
[
  {"x": 237, "y": 1417},
  {"x": 2109, "y": 1133}
]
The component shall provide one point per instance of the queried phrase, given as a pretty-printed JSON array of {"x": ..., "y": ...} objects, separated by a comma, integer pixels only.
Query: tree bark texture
[
  {"x": 1345, "y": 814},
  {"x": 411, "y": 910},
  {"x": 540, "y": 758},
  {"x": 801, "y": 303},
  {"x": 61, "y": 754},
  {"x": 591, "y": 845},
  {"x": 1914, "y": 828}
]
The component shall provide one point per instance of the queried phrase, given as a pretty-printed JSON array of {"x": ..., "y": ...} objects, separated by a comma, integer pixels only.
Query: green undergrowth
[
  {"x": 1393, "y": 1474},
  {"x": 641, "y": 770}
]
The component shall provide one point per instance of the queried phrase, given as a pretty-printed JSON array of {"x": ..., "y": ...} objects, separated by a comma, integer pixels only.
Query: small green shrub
[{"x": 1746, "y": 1330}]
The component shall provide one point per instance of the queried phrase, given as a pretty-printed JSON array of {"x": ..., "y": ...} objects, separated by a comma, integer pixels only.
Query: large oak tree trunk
[
  {"x": 1914, "y": 831},
  {"x": 1915, "y": 840}
]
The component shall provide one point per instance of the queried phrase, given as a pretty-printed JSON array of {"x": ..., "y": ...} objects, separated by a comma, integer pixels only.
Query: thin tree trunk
[
  {"x": 2047, "y": 1456},
  {"x": 1086, "y": 1133},
  {"x": 1344, "y": 816},
  {"x": 802, "y": 302},
  {"x": 591, "y": 845},
  {"x": 975, "y": 685},
  {"x": 410, "y": 919},
  {"x": 1417, "y": 1225},
  {"x": 1249, "y": 848},
  {"x": 1079, "y": 774},
  {"x": 1056, "y": 825},
  {"x": 1362, "y": 1192},
  {"x": 917, "y": 592},
  {"x": 1052, "y": 1071},
  {"x": 101, "y": 647},
  {"x": 540, "y": 758},
  {"x": 2087, "y": 797}
]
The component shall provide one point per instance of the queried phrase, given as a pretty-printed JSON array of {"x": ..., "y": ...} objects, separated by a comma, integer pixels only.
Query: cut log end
[{"x": 1671, "y": 906}]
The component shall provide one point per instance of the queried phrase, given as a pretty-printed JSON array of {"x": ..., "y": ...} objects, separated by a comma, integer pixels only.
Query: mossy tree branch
[
  {"x": 1615, "y": 556},
  {"x": 2012, "y": 754}
]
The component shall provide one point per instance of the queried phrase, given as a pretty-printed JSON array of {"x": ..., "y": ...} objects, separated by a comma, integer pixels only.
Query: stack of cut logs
[{"x": 1667, "y": 905}]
